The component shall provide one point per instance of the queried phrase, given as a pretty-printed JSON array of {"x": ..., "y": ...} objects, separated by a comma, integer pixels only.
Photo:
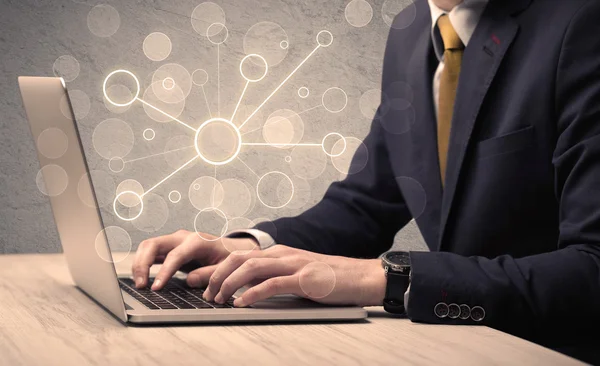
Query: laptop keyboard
[{"x": 175, "y": 295}]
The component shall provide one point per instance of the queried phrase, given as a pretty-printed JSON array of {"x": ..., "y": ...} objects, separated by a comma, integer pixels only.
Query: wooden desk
[{"x": 45, "y": 320}]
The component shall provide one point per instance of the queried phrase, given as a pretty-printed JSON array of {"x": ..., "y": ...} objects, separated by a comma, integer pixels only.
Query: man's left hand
[{"x": 285, "y": 270}]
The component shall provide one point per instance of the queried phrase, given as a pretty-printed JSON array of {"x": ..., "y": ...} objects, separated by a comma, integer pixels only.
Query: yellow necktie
[{"x": 453, "y": 52}]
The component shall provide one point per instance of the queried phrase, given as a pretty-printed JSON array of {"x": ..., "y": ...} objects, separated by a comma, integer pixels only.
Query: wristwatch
[{"x": 397, "y": 272}]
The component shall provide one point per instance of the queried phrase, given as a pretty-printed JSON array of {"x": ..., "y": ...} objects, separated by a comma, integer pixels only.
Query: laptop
[{"x": 85, "y": 244}]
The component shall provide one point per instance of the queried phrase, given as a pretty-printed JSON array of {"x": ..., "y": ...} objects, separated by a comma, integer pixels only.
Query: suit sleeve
[{"x": 556, "y": 292}]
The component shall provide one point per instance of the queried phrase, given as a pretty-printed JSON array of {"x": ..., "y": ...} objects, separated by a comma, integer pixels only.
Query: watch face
[
  {"x": 398, "y": 258},
  {"x": 398, "y": 262}
]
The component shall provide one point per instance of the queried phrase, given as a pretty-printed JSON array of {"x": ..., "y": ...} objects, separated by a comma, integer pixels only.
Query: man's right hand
[{"x": 180, "y": 248}]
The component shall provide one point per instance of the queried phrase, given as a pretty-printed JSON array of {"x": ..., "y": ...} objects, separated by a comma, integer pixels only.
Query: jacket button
[
  {"x": 453, "y": 311},
  {"x": 465, "y": 312},
  {"x": 441, "y": 310},
  {"x": 477, "y": 313}
]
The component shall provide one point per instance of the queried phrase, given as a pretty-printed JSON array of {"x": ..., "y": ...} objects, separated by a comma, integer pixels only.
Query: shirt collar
[{"x": 464, "y": 18}]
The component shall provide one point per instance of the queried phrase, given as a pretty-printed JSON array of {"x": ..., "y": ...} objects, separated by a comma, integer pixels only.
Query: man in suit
[{"x": 488, "y": 135}]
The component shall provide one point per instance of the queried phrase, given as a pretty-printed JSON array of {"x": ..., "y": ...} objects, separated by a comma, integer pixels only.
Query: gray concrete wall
[{"x": 34, "y": 35}]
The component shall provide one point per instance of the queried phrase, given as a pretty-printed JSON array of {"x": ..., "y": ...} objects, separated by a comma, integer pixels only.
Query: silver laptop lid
[{"x": 68, "y": 184}]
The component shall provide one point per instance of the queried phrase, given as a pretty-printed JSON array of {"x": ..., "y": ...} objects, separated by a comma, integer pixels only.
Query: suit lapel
[{"x": 494, "y": 34}]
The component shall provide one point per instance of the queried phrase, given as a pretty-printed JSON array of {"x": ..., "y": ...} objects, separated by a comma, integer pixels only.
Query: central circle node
[{"x": 218, "y": 141}]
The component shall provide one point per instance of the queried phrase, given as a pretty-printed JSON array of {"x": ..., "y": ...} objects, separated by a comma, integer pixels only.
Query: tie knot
[{"x": 449, "y": 36}]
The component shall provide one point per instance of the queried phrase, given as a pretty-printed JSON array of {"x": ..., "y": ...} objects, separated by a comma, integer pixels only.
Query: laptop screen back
[{"x": 67, "y": 182}]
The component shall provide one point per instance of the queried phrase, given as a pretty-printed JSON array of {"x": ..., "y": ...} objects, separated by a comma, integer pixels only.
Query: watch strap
[{"x": 397, "y": 284}]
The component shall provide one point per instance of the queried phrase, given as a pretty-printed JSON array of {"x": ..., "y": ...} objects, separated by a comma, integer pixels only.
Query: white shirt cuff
[
  {"x": 406, "y": 296},
  {"x": 263, "y": 239}
]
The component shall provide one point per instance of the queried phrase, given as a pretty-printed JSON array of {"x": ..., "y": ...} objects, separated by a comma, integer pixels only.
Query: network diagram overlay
[{"x": 128, "y": 205}]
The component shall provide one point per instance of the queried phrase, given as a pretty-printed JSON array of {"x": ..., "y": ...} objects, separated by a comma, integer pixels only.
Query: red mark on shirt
[{"x": 496, "y": 39}]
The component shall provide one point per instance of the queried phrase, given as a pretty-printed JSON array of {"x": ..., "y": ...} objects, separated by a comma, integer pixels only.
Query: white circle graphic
[
  {"x": 119, "y": 244},
  {"x": 334, "y": 99},
  {"x": 232, "y": 156},
  {"x": 174, "y": 196},
  {"x": 52, "y": 143},
  {"x": 168, "y": 83},
  {"x": 217, "y": 33},
  {"x": 135, "y": 95},
  {"x": 219, "y": 213},
  {"x": 128, "y": 194},
  {"x": 354, "y": 157},
  {"x": 267, "y": 175},
  {"x": 250, "y": 58},
  {"x": 204, "y": 15},
  {"x": 303, "y": 92},
  {"x": 200, "y": 77},
  {"x": 116, "y": 164},
  {"x": 359, "y": 13},
  {"x": 317, "y": 280},
  {"x": 52, "y": 180},
  {"x": 133, "y": 185},
  {"x": 149, "y": 134},
  {"x": 157, "y": 46},
  {"x": 337, "y": 153},
  {"x": 324, "y": 38},
  {"x": 103, "y": 20},
  {"x": 237, "y": 198},
  {"x": 283, "y": 129},
  {"x": 113, "y": 137},
  {"x": 372, "y": 102},
  {"x": 66, "y": 67}
]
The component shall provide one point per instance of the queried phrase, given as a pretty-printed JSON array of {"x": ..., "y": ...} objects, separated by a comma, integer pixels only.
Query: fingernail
[
  {"x": 139, "y": 281},
  {"x": 156, "y": 284},
  {"x": 207, "y": 295},
  {"x": 219, "y": 298},
  {"x": 239, "y": 302}
]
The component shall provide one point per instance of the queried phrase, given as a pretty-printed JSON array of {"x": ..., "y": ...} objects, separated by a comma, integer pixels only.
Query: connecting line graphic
[
  {"x": 276, "y": 144},
  {"x": 280, "y": 85},
  {"x": 218, "y": 80},
  {"x": 309, "y": 109},
  {"x": 169, "y": 176},
  {"x": 159, "y": 154},
  {"x": 207, "y": 103},
  {"x": 240, "y": 101},
  {"x": 166, "y": 114},
  {"x": 252, "y": 170}
]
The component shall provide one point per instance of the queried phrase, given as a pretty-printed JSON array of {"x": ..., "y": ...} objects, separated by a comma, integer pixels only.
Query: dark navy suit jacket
[{"x": 516, "y": 229}]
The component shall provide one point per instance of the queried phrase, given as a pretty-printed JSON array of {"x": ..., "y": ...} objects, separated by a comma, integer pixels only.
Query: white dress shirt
[{"x": 464, "y": 18}]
